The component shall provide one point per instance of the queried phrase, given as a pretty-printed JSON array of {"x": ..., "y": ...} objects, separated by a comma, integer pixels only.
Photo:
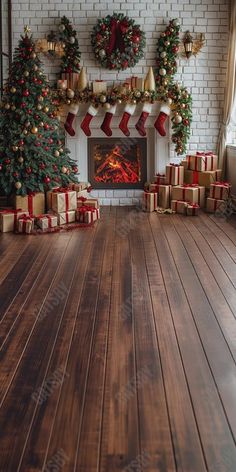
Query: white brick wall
[{"x": 203, "y": 75}]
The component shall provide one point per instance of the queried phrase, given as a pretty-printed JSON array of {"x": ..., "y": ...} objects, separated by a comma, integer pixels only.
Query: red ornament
[
  {"x": 0, "y": 167},
  {"x": 29, "y": 112},
  {"x": 135, "y": 50},
  {"x": 7, "y": 161},
  {"x": 103, "y": 27},
  {"x": 15, "y": 174},
  {"x": 28, "y": 170},
  {"x": 125, "y": 64},
  {"x": 186, "y": 122},
  {"x": 42, "y": 165},
  {"x": 21, "y": 81},
  {"x": 44, "y": 93},
  {"x": 26, "y": 93},
  {"x": 47, "y": 179},
  {"x": 36, "y": 117},
  {"x": 46, "y": 148},
  {"x": 37, "y": 144},
  {"x": 23, "y": 105},
  {"x": 75, "y": 169},
  {"x": 55, "y": 168},
  {"x": 21, "y": 142},
  {"x": 136, "y": 38},
  {"x": 175, "y": 48},
  {"x": 50, "y": 141},
  {"x": 46, "y": 126}
]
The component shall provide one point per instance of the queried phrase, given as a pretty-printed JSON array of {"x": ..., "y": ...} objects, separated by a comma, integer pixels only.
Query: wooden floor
[{"x": 118, "y": 346}]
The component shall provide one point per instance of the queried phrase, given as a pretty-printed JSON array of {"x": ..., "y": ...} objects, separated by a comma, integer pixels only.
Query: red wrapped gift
[
  {"x": 63, "y": 199},
  {"x": 179, "y": 206},
  {"x": 192, "y": 209},
  {"x": 213, "y": 204},
  {"x": 220, "y": 190},
  {"x": 150, "y": 202},
  {"x": 93, "y": 202},
  {"x": 160, "y": 179},
  {"x": 202, "y": 161},
  {"x": 189, "y": 193},
  {"x": 34, "y": 203},
  {"x": 87, "y": 214},
  {"x": 174, "y": 174},
  {"x": 26, "y": 224},
  {"x": 9, "y": 219}
]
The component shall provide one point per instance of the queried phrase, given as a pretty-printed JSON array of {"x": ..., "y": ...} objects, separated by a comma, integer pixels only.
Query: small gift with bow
[
  {"x": 189, "y": 193},
  {"x": 34, "y": 203},
  {"x": 46, "y": 221},
  {"x": 213, "y": 205},
  {"x": 150, "y": 201},
  {"x": 192, "y": 209},
  {"x": 25, "y": 224},
  {"x": 202, "y": 161},
  {"x": 179, "y": 206},
  {"x": 220, "y": 190},
  {"x": 174, "y": 174},
  {"x": 64, "y": 200},
  {"x": 9, "y": 219},
  {"x": 87, "y": 214}
]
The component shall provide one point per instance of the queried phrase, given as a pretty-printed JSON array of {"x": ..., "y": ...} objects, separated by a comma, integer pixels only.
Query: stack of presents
[
  {"x": 186, "y": 187},
  {"x": 65, "y": 206}
]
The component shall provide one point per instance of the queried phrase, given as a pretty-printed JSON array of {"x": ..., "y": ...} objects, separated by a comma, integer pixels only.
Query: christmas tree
[
  {"x": 71, "y": 56},
  {"x": 32, "y": 155}
]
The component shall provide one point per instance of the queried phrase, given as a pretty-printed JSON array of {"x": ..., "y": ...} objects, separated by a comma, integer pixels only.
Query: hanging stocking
[
  {"x": 161, "y": 119},
  {"x": 92, "y": 111},
  {"x": 128, "y": 112},
  {"x": 105, "y": 127},
  {"x": 147, "y": 108},
  {"x": 73, "y": 110}
]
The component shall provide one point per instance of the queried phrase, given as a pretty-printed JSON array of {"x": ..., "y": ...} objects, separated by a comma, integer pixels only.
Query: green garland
[
  {"x": 170, "y": 92},
  {"x": 71, "y": 57},
  {"x": 118, "y": 43}
]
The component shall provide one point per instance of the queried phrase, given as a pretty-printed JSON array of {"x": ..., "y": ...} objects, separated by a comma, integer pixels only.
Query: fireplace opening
[{"x": 117, "y": 162}]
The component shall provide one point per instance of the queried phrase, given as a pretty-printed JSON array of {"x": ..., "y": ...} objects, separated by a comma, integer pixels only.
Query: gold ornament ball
[
  {"x": 34, "y": 130},
  {"x": 15, "y": 148},
  {"x": 26, "y": 73},
  {"x": 20, "y": 159},
  {"x": 162, "y": 72},
  {"x": 177, "y": 119},
  {"x": 183, "y": 105},
  {"x": 41, "y": 124},
  {"x": 56, "y": 154},
  {"x": 64, "y": 169},
  {"x": 27, "y": 124},
  {"x": 70, "y": 93},
  {"x": 119, "y": 101},
  {"x": 137, "y": 93},
  {"x": 7, "y": 106},
  {"x": 33, "y": 55},
  {"x": 13, "y": 108},
  {"x": 25, "y": 132},
  {"x": 163, "y": 54},
  {"x": 103, "y": 98},
  {"x": 134, "y": 102},
  {"x": 167, "y": 43},
  {"x": 18, "y": 185},
  {"x": 107, "y": 106},
  {"x": 35, "y": 67},
  {"x": 13, "y": 89},
  {"x": 169, "y": 101},
  {"x": 46, "y": 109},
  {"x": 165, "y": 82},
  {"x": 61, "y": 150},
  {"x": 40, "y": 98},
  {"x": 68, "y": 171},
  {"x": 102, "y": 53},
  {"x": 68, "y": 102},
  {"x": 39, "y": 107},
  {"x": 146, "y": 94}
]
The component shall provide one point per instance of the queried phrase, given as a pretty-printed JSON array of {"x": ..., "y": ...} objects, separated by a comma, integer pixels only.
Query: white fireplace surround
[{"x": 157, "y": 150}]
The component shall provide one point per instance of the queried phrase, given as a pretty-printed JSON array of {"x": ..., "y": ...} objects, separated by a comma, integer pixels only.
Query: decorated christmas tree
[
  {"x": 71, "y": 57},
  {"x": 32, "y": 155}
]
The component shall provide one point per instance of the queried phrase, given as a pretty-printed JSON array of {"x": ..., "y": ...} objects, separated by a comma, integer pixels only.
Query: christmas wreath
[{"x": 118, "y": 43}]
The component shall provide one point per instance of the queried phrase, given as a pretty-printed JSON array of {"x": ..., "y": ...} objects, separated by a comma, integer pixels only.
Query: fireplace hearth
[{"x": 117, "y": 163}]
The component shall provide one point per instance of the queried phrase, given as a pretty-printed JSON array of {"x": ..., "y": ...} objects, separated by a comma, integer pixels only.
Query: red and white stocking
[
  {"x": 73, "y": 110},
  {"x": 92, "y": 111},
  {"x": 106, "y": 124},
  {"x": 147, "y": 108},
  {"x": 161, "y": 119},
  {"x": 128, "y": 112}
]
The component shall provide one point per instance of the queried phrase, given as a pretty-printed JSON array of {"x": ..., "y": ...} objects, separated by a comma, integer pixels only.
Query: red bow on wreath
[{"x": 118, "y": 29}]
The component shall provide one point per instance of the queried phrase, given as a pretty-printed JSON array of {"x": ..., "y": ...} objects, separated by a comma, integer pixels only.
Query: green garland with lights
[
  {"x": 170, "y": 92},
  {"x": 71, "y": 57},
  {"x": 118, "y": 43}
]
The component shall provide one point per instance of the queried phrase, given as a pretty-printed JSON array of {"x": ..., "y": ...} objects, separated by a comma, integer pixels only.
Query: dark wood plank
[
  {"x": 9, "y": 259},
  {"x": 184, "y": 429},
  {"x": 216, "y": 436},
  {"x": 120, "y": 432}
]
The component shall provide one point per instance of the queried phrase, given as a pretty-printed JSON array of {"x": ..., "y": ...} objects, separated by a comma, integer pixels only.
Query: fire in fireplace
[{"x": 117, "y": 162}]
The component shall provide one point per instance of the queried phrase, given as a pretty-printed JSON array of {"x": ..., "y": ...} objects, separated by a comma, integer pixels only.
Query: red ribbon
[
  {"x": 222, "y": 186},
  {"x": 13, "y": 212},
  {"x": 24, "y": 220},
  {"x": 49, "y": 217},
  {"x": 118, "y": 30},
  {"x": 30, "y": 202},
  {"x": 66, "y": 192}
]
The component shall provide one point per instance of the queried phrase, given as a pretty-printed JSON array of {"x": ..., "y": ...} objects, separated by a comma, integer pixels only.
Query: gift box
[
  {"x": 25, "y": 224},
  {"x": 136, "y": 83},
  {"x": 65, "y": 217},
  {"x": 79, "y": 186},
  {"x": 9, "y": 219},
  {"x": 34, "y": 203},
  {"x": 164, "y": 195},
  {"x": 189, "y": 193},
  {"x": 150, "y": 201},
  {"x": 87, "y": 214},
  {"x": 220, "y": 190},
  {"x": 92, "y": 202},
  {"x": 204, "y": 178},
  {"x": 202, "y": 161},
  {"x": 193, "y": 209},
  {"x": 63, "y": 200},
  {"x": 99, "y": 86},
  {"x": 174, "y": 174},
  {"x": 49, "y": 198},
  {"x": 72, "y": 79},
  {"x": 160, "y": 179},
  {"x": 179, "y": 206},
  {"x": 213, "y": 204},
  {"x": 46, "y": 221}
]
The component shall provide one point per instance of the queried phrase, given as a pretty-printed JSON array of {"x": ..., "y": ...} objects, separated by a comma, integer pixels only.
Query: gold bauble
[
  {"x": 61, "y": 150},
  {"x": 13, "y": 90},
  {"x": 35, "y": 68},
  {"x": 15, "y": 148},
  {"x": 26, "y": 73},
  {"x": 64, "y": 169},
  {"x": 169, "y": 101},
  {"x": 41, "y": 124},
  {"x": 13, "y": 108},
  {"x": 149, "y": 83},
  {"x": 39, "y": 107},
  {"x": 25, "y": 132},
  {"x": 68, "y": 171},
  {"x": 7, "y": 106},
  {"x": 33, "y": 55},
  {"x": 56, "y": 154},
  {"x": 119, "y": 101},
  {"x": 134, "y": 101},
  {"x": 34, "y": 130},
  {"x": 68, "y": 102},
  {"x": 137, "y": 93},
  {"x": 82, "y": 80},
  {"x": 40, "y": 98},
  {"x": 18, "y": 185},
  {"x": 103, "y": 98},
  {"x": 46, "y": 109},
  {"x": 21, "y": 159},
  {"x": 183, "y": 105},
  {"x": 107, "y": 106},
  {"x": 27, "y": 124},
  {"x": 70, "y": 93}
]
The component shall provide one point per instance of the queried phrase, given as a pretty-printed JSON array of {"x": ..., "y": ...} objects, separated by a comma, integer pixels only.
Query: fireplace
[{"x": 117, "y": 163}]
